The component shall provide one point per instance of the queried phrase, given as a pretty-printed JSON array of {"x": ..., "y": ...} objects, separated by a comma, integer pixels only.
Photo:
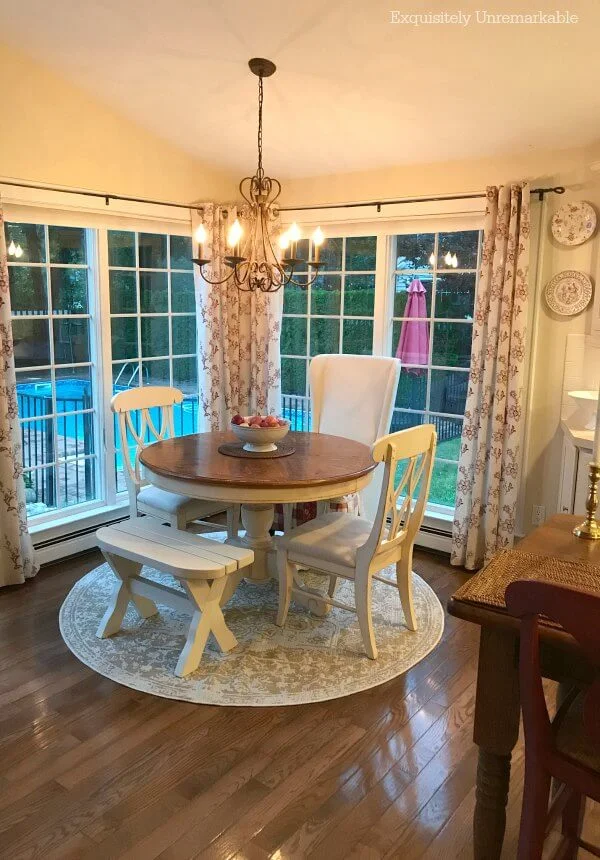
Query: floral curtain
[
  {"x": 491, "y": 452},
  {"x": 238, "y": 335},
  {"x": 17, "y": 560}
]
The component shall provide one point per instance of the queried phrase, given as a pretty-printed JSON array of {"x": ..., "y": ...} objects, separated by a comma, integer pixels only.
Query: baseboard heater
[{"x": 63, "y": 546}]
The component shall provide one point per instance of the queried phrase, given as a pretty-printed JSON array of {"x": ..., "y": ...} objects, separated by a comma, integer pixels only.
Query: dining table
[
  {"x": 321, "y": 467},
  {"x": 552, "y": 553}
]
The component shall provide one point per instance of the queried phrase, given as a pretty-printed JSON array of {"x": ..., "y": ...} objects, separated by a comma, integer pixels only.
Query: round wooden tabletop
[{"x": 319, "y": 459}]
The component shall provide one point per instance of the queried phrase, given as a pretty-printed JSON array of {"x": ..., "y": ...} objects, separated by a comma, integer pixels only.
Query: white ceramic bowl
[{"x": 260, "y": 439}]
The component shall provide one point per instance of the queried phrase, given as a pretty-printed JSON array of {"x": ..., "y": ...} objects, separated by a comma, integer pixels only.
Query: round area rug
[{"x": 310, "y": 660}]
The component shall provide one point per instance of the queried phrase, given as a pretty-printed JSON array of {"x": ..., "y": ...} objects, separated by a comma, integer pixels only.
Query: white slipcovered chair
[
  {"x": 142, "y": 430},
  {"x": 353, "y": 396},
  {"x": 345, "y": 545}
]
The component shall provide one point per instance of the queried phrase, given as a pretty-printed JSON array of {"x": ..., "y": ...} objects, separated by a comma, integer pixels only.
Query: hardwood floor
[{"x": 92, "y": 769}]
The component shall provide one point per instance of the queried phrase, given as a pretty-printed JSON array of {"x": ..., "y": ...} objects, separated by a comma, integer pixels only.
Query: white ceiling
[{"x": 352, "y": 91}]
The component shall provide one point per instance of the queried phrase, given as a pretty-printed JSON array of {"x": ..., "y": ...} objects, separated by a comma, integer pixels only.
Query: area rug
[{"x": 310, "y": 660}]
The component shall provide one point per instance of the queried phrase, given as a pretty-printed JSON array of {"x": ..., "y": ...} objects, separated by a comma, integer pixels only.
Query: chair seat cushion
[
  {"x": 156, "y": 501},
  {"x": 571, "y": 737},
  {"x": 334, "y": 538}
]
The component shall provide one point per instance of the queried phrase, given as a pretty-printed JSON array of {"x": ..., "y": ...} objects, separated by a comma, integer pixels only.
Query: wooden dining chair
[
  {"x": 566, "y": 749},
  {"x": 145, "y": 415},
  {"x": 352, "y": 547}
]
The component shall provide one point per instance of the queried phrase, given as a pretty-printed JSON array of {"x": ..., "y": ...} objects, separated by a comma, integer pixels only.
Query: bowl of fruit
[{"x": 259, "y": 433}]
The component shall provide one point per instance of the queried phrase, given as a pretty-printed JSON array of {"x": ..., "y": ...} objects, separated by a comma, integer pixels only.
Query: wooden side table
[{"x": 497, "y": 710}]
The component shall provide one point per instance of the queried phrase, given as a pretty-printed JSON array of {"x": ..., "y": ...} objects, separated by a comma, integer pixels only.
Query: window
[
  {"x": 51, "y": 291},
  {"x": 153, "y": 320},
  {"x": 432, "y": 329},
  {"x": 334, "y": 314}
]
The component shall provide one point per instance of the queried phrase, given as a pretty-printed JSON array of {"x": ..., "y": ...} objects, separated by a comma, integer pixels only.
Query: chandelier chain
[{"x": 260, "y": 171}]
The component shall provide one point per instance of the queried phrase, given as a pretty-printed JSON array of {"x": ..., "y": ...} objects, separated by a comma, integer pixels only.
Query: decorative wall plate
[
  {"x": 568, "y": 293},
  {"x": 573, "y": 223}
]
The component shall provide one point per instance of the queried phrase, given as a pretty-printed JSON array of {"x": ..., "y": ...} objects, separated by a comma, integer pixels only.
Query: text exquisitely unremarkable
[{"x": 458, "y": 18}]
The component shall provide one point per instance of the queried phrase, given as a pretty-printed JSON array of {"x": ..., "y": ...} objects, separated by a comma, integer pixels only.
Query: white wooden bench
[{"x": 209, "y": 572}]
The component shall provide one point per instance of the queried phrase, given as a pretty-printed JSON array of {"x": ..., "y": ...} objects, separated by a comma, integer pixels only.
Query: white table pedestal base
[{"x": 257, "y": 521}]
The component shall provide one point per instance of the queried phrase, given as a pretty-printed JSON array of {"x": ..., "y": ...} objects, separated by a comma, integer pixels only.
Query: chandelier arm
[{"x": 217, "y": 282}]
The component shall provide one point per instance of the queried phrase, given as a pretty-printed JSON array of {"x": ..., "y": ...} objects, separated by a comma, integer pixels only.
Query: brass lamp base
[{"x": 590, "y": 528}]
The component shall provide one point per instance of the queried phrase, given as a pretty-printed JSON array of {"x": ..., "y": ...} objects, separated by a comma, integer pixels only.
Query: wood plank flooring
[{"x": 90, "y": 769}]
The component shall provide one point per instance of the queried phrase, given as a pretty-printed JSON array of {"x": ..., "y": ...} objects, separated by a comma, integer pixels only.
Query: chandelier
[{"x": 252, "y": 261}]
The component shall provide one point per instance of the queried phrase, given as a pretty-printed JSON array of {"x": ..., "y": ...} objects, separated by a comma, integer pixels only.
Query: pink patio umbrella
[{"x": 413, "y": 344}]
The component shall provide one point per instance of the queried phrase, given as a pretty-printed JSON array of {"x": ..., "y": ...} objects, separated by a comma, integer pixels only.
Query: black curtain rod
[{"x": 557, "y": 189}]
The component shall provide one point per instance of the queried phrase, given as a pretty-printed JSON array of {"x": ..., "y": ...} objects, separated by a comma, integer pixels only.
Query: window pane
[
  {"x": 413, "y": 251},
  {"x": 455, "y": 296},
  {"x": 37, "y": 439},
  {"x": 156, "y": 372},
  {"x": 67, "y": 245},
  {"x": 32, "y": 342},
  {"x": 124, "y": 335},
  {"x": 155, "y": 336},
  {"x": 449, "y": 432},
  {"x": 34, "y": 393},
  {"x": 326, "y": 295},
  {"x": 360, "y": 253},
  {"x": 331, "y": 254},
  {"x": 324, "y": 336},
  {"x": 185, "y": 416},
  {"x": 181, "y": 252},
  {"x": 295, "y": 299},
  {"x": 73, "y": 389},
  {"x": 123, "y": 292},
  {"x": 293, "y": 376},
  {"x": 443, "y": 484},
  {"x": 40, "y": 492},
  {"x": 28, "y": 290},
  {"x": 184, "y": 335},
  {"x": 77, "y": 481},
  {"x": 448, "y": 391},
  {"x": 359, "y": 295},
  {"x": 452, "y": 344},
  {"x": 412, "y": 388},
  {"x": 152, "y": 250},
  {"x": 71, "y": 341},
  {"x": 69, "y": 291},
  {"x": 154, "y": 296},
  {"x": 125, "y": 375},
  {"x": 358, "y": 337},
  {"x": 404, "y": 420},
  {"x": 415, "y": 347},
  {"x": 401, "y": 295},
  {"x": 121, "y": 248},
  {"x": 464, "y": 244},
  {"x": 183, "y": 298},
  {"x": 31, "y": 239},
  {"x": 293, "y": 336},
  {"x": 75, "y": 435},
  {"x": 185, "y": 375}
]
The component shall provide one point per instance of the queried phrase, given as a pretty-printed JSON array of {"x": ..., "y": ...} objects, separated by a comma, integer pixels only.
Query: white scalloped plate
[
  {"x": 568, "y": 293},
  {"x": 573, "y": 223}
]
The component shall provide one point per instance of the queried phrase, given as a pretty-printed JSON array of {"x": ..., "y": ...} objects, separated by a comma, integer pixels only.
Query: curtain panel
[
  {"x": 17, "y": 557},
  {"x": 491, "y": 443},
  {"x": 239, "y": 365}
]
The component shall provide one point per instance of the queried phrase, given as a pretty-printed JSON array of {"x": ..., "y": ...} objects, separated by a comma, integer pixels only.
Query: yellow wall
[
  {"x": 55, "y": 133},
  {"x": 564, "y": 167}
]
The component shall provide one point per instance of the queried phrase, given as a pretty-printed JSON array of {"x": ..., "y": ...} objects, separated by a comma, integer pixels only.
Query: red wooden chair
[{"x": 568, "y": 748}]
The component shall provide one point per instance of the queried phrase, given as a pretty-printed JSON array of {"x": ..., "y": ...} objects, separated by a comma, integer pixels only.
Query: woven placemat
[
  {"x": 236, "y": 449},
  {"x": 488, "y": 586}
]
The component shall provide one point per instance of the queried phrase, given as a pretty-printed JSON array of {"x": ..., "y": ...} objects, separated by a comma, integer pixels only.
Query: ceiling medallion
[{"x": 253, "y": 262}]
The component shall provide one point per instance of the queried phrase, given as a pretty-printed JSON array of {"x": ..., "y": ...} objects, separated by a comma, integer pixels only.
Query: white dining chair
[
  {"x": 145, "y": 415},
  {"x": 353, "y": 396},
  {"x": 351, "y": 547}
]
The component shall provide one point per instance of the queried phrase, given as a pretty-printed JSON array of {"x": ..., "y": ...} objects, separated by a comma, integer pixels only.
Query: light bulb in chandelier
[
  {"x": 432, "y": 259},
  {"x": 12, "y": 248},
  {"x": 454, "y": 261},
  {"x": 234, "y": 237},
  {"x": 318, "y": 237},
  {"x": 18, "y": 252},
  {"x": 200, "y": 236},
  {"x": 448, "y": 258},
  {"x": 284, "y": 241}
]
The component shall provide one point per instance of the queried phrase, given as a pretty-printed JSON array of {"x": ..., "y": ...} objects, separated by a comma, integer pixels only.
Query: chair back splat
[{"x": 134, "y": 409}]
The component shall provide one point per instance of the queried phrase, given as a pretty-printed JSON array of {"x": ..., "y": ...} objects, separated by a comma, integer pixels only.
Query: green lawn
[{"x": 443, "y": 480}]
